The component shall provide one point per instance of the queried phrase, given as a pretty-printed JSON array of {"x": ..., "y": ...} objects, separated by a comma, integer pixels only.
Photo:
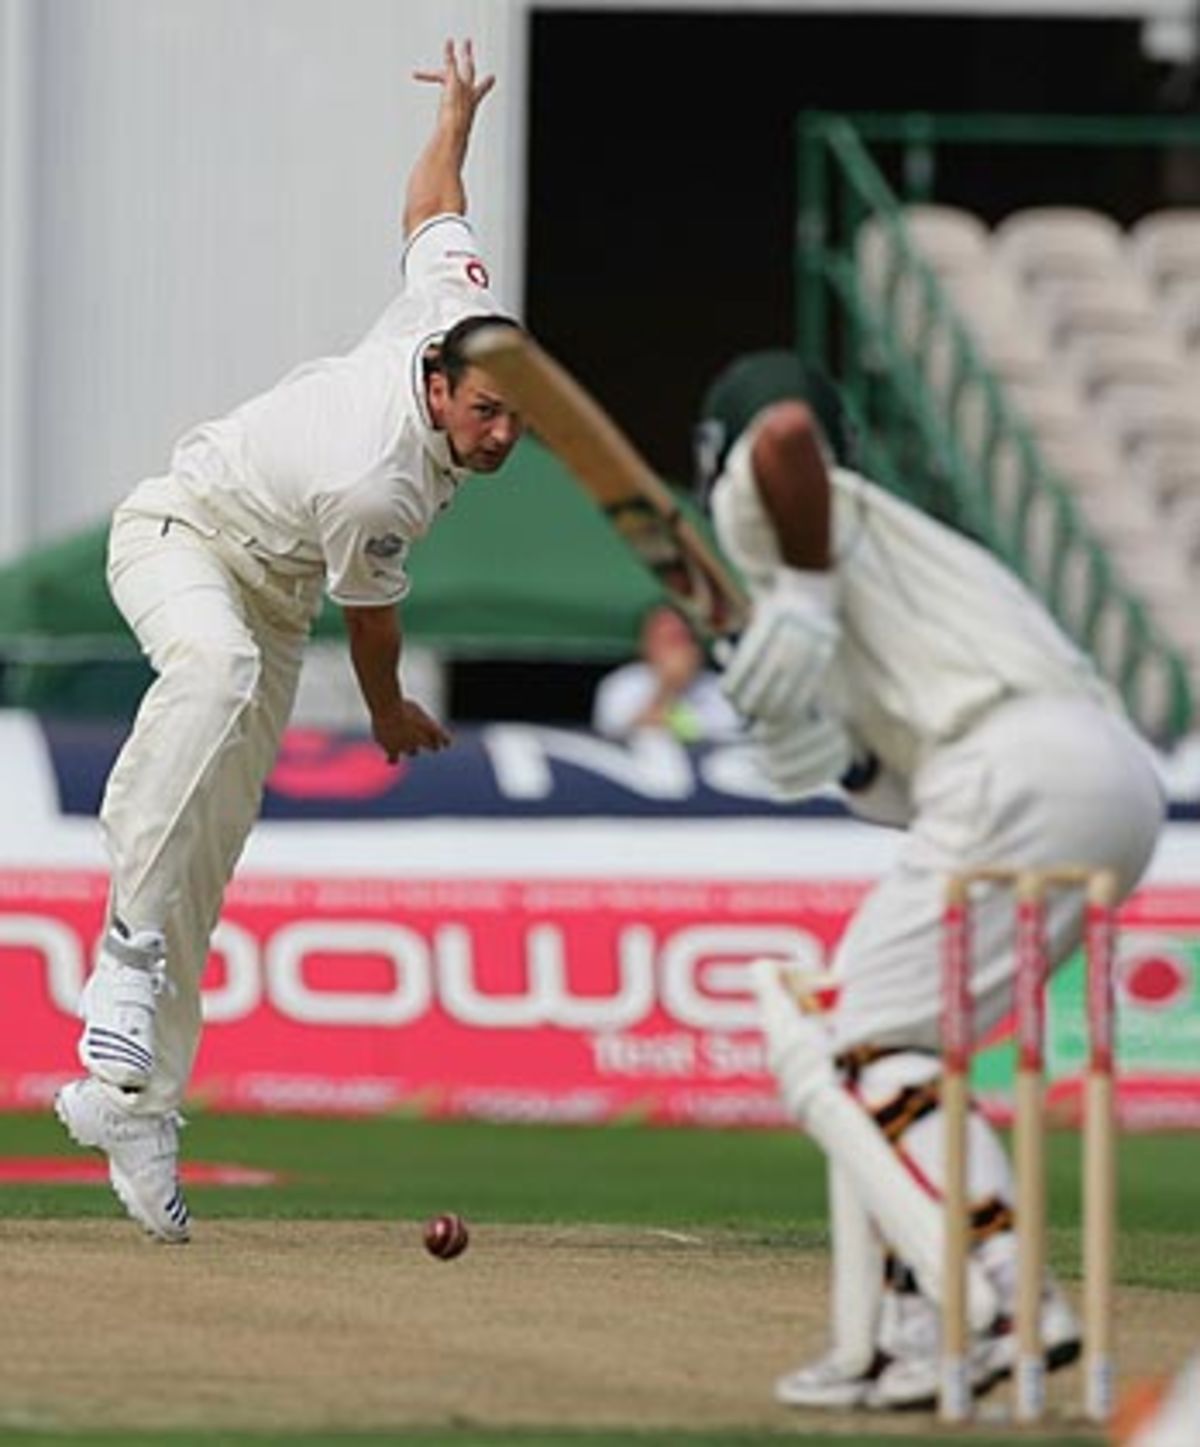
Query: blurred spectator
[{"x": 668, "y": 688}]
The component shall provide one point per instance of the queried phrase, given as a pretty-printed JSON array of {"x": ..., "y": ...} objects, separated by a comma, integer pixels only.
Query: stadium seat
[
  {"x": 1078, "y": 586},
  {"x": 1040, "y": 245},
  {"x": 1125, "y": 520},
  {"x": 989, "y": 308},
  {"x": 1115, "y": 643},
  {"x": 949, "y": 240},
  {"x": 1051, "y": 409},
  {"x": 1089, "y": 305},
  {"x": 1047, "y": 411},
  {"x": 1083, "y": 460},
  {"x": 1165, "y": 246},
  {"x": 1091, "y": 337},
  {"x": 1148, "y": 422},
  {"x": 1174, "y": 612},
  {"x": 1043, "y": 531},
  {"x": 1104, "y": 362},
  {"x": 1172, "y": 476},
  {"x": 1160, "y": 575},
  {"x": 1178, "y": 307},
  {"x": 1183, "y": 519}
]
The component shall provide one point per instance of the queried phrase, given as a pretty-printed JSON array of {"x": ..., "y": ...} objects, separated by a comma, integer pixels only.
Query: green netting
[{"x": 997, "y": 488}]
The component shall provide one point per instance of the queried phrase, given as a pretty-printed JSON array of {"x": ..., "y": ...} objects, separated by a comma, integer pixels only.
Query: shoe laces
[
  {"x": 149, "y": 1139},
  {"x": 135, "y": 977},
  {"x": 160, "y": 982}
]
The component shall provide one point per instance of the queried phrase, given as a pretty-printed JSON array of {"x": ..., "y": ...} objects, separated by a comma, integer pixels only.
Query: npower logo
[{"x": 695, "y": 974}]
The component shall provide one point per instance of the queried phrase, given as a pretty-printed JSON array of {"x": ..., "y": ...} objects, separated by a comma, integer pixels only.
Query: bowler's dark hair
[{"x": 452, "y": 360}]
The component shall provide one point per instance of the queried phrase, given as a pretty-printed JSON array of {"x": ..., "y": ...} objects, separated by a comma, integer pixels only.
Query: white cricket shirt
[
  {"x": 935, "y": 631},
  {"x": 337, "y": 468}
]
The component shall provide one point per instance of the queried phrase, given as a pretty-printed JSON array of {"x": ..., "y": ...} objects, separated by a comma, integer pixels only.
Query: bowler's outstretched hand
[{"x": 461, "y": 92}]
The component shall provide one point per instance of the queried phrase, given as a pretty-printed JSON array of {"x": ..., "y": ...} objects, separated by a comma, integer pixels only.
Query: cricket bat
[{"x": 640, "y": 506}]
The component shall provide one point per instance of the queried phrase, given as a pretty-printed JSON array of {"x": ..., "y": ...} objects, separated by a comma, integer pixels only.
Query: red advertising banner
[{"x": 578, "y": 1000}]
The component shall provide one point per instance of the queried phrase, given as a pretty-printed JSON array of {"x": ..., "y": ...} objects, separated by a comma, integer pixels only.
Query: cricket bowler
[{"x": 319, "y": 486}]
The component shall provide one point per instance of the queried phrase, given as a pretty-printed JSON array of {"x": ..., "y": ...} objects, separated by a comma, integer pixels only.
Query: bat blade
[{"x": 639, "y": 504}]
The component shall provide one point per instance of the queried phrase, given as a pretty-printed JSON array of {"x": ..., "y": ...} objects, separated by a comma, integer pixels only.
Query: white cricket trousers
[
  {"x": 1040, "y": 782},
  {"x": 226, "y": 638}
]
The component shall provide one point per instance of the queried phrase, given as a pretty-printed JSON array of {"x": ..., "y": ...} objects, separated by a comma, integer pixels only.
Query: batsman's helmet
[{"x": 748, "y": 384}]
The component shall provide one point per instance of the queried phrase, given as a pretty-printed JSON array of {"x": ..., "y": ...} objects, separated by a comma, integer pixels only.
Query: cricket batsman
[
  {"x": 894, "y": 655},
  {"x": 320, "y": 485}
]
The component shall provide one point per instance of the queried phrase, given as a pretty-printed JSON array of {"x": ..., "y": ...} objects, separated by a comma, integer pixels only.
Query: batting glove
[
  {"x": 802, "y": 754},
  {"x": 779, "y": 662}
]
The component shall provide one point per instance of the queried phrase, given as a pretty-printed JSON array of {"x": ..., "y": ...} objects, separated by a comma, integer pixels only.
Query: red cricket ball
[{"x": 446, "y": 1236}]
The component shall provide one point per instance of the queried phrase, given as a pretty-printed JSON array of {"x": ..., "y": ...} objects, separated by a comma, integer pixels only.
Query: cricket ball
[{"x": 446, "y": 1236}]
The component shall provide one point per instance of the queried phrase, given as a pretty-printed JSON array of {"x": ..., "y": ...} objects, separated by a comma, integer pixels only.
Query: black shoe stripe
[{"x": 96, "y": 1039}]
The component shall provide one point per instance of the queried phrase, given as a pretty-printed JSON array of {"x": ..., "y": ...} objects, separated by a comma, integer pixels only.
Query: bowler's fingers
[
  {"x": 453, "y": 71},
  {"x": 429, "y": 736},
  {"x": 440, "y": 738},
  {"x": 449, "y": 67},
  {"x": 418, "y": 746},
  {"x": 478, "y": 89}
]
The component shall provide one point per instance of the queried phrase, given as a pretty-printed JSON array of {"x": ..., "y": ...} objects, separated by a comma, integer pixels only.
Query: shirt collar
[{"x": 434, "y": 440}]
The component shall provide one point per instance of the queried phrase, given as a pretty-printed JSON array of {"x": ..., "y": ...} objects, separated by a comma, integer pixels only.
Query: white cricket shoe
[
  {"x": 911, "y": 1381},
  {"x": 1062, "y": 1340},
  {"x": 142, "y": 1151},
  {"x": 118, "y": 1005},
  {"x": 830, "y": 1382}
]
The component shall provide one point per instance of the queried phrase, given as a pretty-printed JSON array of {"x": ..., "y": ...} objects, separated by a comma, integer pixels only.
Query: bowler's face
[{"x": 479, "y": 425}]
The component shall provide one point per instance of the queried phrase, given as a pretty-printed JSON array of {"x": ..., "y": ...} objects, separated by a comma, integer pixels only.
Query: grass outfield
[
  {"x": 767, "y": 1181},
  {"x": 769, "y": 1184},
  {"x": 508, "y": 1439}
]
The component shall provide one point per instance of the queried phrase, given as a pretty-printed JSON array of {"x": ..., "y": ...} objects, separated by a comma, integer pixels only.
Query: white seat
[
  {"x": 1040, "y": 244},
  {"x": 1155, "y": 569},
  {"x": 1184, "y": 523},
  {"x": 1102, "y": 361},
  {"x": 1113, "y": 639},
  {"x": 1175, "y": 614},
  {"x": 1172, "y": 476},
  {"x": 1052, "y": 410},
  {"x": 1148, "y": 422},
  {"x": 1165, "y": 244},
  {"x": 1125, "y": 520},
  {"x": 1026, "y": 392},
  {"x": 1077, "y": 585},
  {"x": 1008, "y": 345},
  {"x": 1083, "y": 460},
  {"x": 1091, "y": 304},
  {"x": 1178, "y": 307},
  {"x": 989, "y": 301},
  {"x": 1060, "y": 418},
  {"x": 949, "y": 240},
  {"x": 1151, "y": 698}
]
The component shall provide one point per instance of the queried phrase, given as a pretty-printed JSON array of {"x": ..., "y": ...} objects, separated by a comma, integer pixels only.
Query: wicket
[{"x": 1030, "y": 889}]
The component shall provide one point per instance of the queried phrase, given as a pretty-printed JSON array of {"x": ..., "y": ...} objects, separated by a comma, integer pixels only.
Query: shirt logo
[
  {"x": 477, "y": 272},
  {"x": 391, "y": 545}
]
